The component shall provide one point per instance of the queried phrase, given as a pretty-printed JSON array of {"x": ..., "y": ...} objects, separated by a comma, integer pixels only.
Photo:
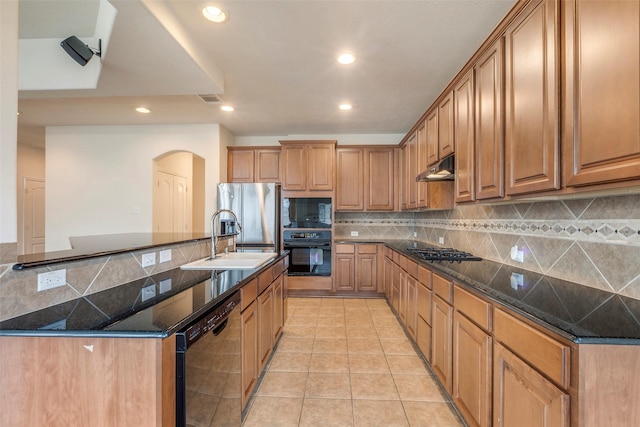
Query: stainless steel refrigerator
[{"x": 257, "y": 206}]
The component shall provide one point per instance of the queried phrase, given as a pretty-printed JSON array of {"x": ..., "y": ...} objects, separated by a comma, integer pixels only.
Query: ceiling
[{"x": 274, "y": 61}]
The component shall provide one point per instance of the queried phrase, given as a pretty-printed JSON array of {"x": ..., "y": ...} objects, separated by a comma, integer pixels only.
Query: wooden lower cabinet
[
  {"x": 441, "y": 340},
  {"x": 411, "y": 306},
  {"x": 523, "y": 397},
  {"x": 278, "y": 307},
  {"x": 366, "y": 268},
  {"x": 265, "y": 325},
  {"x": 472, "y": 371},
  {"x": 249, "y": 350},
  {"x": 344, "y": 271},
  {"x": 356, "y": 267}
]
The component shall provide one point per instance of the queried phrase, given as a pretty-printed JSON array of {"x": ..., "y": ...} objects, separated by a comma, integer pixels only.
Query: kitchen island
[{"x": 109, "y": 358}]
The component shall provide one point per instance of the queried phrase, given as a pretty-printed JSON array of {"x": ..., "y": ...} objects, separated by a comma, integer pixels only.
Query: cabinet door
[
  {"x": 321, "y": 160},
  {"x": 411, "y": 321},
  {"x": 423, "y": 338},
  {"x": 404, "y": 295},
  {"x": 278, "y": 307},
  {"x": 471, "y": 371},
  {"x": 523, "y": 397},
  {"x": 421, "y": 155},
  {"x": 489, "y": 123},
  {"x": 531, "y": 100},
  {"x": 433, "y": 154},
  {"x": 463, "y": 97},
  {"x": 249, "y": 350},
  {"x": 344, "y": 271},
  {"x": 349, "y": 180},
  {"x": 380, "y": 176},
  {"x": 265, "y": 323},
  {"x": 267, "y": 167},
  {"x": 388, "y": 274},
  {"x": 294, "y": 167},
  {"x": 367, "y": 268},
  {"x": 601, "y": 91},
  {"x": 441, "y": 337},
  {"x": 395, "y": 287},
  {"x": 445, "y": 127},
  {"x": 411, "y": 171},
  {"x": 240, "y": 165}
]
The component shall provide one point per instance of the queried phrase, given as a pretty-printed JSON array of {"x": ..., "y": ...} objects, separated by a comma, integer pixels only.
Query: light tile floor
[{"x": 347, "y": 362}]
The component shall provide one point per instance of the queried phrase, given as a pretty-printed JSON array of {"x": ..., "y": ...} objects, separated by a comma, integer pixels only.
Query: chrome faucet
[{"x": 214, "y": 235}]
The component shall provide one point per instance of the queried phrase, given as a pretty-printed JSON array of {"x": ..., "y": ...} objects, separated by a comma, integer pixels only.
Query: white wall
[
  {"x": 96, "y": 175},
  {"x": 343, "y": 139},
  {"x": 8, "y": 119}
]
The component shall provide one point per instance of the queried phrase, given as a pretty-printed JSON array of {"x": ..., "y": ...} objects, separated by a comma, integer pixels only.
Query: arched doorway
[{"x": 178, "y": 193}]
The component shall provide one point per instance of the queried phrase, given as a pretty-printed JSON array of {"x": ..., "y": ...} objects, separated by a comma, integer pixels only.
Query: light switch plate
[
  {"x": 165, "y": 285},
  {"x": 165, "y": 256},
  {"x": 441, "y": 240}
]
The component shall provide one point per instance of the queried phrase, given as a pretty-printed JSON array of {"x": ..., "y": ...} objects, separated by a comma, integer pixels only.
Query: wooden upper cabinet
[
  {"x": 307, "y": 165},
  {"x": 253, "y": 164},
  {"x": 445, "y": 126},
  {"x": 432, "y": 137},
  {"x": 240, "y": 165},
  {"x": 380, "y": 178},
  {"x": 350, "y": 179},
  {"x": 366, "y": 178},
  {"x": 267, "y": 165},
  {"x": 463, "y": 98},
  {"x": 422, "y": 188},
  {"x": 490, "y": 122},
  {"x": 531, "y": 99},
  {"x": 601, "y": 82},
  {"x": 412, "y": 171}
]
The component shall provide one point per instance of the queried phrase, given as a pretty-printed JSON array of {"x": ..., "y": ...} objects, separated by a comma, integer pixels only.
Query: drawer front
[
  {"x": 278, "y": 268},
  {"x": 345, "y": 249},
  {"x": 476, "y": 309},
  {"x": 264, "y": 280},
  {"x": 367, "y": 249},
  {"x": 442, "y": 287},
  {"x": 388, "y": 252},
  {"x": 412, "y": 268},
  {"x": 396, "y": 257},
  {"x": 248, "y": 294},
  {"x": 424, "y": 302},
  {"x": 544, "y": 353},
  {"x": 424, "y": 276}
]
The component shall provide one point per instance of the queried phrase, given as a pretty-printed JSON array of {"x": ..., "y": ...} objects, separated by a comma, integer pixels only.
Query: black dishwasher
[{"x": 208, "y": 391}]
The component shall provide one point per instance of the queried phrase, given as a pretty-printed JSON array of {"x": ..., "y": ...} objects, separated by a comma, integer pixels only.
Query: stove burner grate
[{"x": 433, "y": 253}]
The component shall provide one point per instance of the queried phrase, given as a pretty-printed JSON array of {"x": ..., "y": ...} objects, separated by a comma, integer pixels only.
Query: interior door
[
  {"x": 33, "y": 220},
  {"x": 171, "y": 213}
]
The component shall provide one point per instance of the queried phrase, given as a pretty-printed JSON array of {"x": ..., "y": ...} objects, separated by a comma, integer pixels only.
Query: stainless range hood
[{"x": 443, "y": 171}]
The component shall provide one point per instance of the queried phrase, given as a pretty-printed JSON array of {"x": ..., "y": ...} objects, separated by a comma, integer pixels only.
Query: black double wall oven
[{"x": 307, "y": 235}]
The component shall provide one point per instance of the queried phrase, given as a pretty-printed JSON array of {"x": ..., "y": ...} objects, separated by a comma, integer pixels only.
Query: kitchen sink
[{"x": 231, "y": 261}]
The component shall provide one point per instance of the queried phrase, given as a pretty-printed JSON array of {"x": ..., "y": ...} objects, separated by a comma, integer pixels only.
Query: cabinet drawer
[
  {"x": 248, "y": 294},
  {"x": 367, "y": 249},
  {"x": 424, "y": 276},
  {"x": 473, "y": 307},
  {"x": 342, "y": 248},
  {"x": 278, "y": 268},
  {"x": 544, "y": 353},
  {"x": 412, "y": 268},
  {"x": 388, "y": 252},
  {"x": 264, "y": 280},
  {"x": 396, "y": 257},
  {"x": 442, "y": 287}
]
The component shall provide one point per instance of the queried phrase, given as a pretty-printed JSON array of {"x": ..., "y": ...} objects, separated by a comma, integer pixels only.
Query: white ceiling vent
[{"x": 211, "y": 99}]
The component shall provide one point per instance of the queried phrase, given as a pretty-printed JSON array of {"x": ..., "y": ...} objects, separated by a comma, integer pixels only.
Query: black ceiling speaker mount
[{"x": 79, "y": 51}]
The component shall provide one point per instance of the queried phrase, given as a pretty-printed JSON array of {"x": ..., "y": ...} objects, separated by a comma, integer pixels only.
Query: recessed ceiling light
[
  {"x": 345, "y": 107},
  {"x": 214, "y": 14},
  {"x": 143, "y": 110},
  {"x": 346, "y": 58},
  {"x": 226, "y": 108}
]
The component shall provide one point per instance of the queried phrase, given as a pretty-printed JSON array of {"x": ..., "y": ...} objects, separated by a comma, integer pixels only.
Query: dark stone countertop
[
  {"x": 153, "y": 307},
  {"x": 580, "y": 313}
]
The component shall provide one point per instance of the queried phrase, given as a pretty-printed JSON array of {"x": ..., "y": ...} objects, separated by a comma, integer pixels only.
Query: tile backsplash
[
  {"x": 18, "y": 289},
  {"x": 595, "y": 242}
]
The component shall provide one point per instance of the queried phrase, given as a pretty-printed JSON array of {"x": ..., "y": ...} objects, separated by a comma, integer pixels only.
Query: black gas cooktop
[{"x": 434, "y": 253}]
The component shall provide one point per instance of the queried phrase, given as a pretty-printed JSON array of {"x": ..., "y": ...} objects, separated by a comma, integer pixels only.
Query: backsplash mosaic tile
[{"x": 593, "y": 241}]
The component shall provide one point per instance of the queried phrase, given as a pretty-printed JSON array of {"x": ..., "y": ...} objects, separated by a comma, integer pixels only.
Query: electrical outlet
[
  {"x": 354, "y": 234},
  {"x": 165, "y": 285},
  {"x": 148, "y": 292},
  {"x": 415, "y": 234},
  {"x": 517, "y": 254},
  {"x": 148, "y": 259},
  {"x": 441, "y": 240},
  {"x": 165, "y": 256},
  {"x": 52, "y": 279},
  {"x": 135, "y": 210},
  {"x": 517, "y": 281}
]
